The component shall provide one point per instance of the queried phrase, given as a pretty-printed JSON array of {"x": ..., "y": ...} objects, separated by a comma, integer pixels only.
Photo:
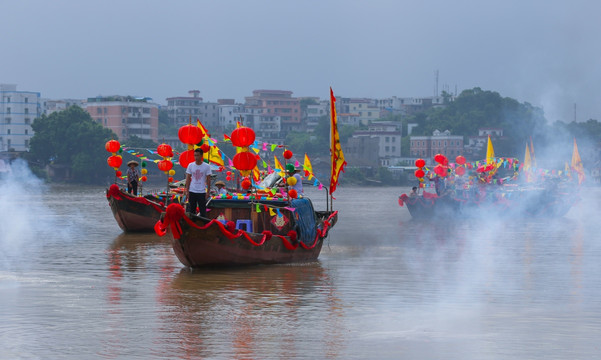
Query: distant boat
[
  {"x": 134, "y": 213},
  {"x": 492, "y": 188}
]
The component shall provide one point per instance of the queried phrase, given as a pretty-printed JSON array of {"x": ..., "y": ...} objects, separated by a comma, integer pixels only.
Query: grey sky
[{"x": 543, "y": 52}]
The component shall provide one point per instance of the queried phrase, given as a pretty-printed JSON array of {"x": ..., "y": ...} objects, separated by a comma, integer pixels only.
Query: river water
[{"x": 73, "y": 286}]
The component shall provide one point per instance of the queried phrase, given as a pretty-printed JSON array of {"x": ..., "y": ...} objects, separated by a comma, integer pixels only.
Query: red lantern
[
  {"x": 228, "y": 178},
  {"x": 143, "y": 178},
  {"x": 205, "y": 148},
  {"x": 165, "y": 150},
  {"x": 287, "y": 154},
  {"x": 170, "y": 179},
  {"x": 118, "y": 173},
  {"x": 165, "y": 165},
  {"x": 112, "y": 146},
  {"x": 245, "y": 184},
  {"x": 186, "y": 158},
  {"x": 419, "y": 173},
  {"x": 420, "y": 163},
  {"x": 460, "y": 171},
  {"x": 439, "y": 158},
  {"x": 460, "y": 160},
  {"x": 245, "y": 161},
  {"x": 243, "y": 136},
  {"x": 292, "y": 193},
  {"x": 189, "y": 134},
  {"x": 439, "y": 170},
  {"x": 114, "y": 161}
]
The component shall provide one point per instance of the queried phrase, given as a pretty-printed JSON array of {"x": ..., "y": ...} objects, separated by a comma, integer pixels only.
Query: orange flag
[{"x": 338, "y": 161}]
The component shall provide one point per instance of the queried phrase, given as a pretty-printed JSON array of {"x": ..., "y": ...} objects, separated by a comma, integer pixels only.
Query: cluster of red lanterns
[
  {"x": 420, "y": 173},
  {"x": 442, "y": 168},
  {"x": 114, "y": 160},
  {"x": 166, "y": 165},
  {"x": 189, "y": 135},
  {"x": 242, "y": 138},
  {"x": 460, "y": 170}
]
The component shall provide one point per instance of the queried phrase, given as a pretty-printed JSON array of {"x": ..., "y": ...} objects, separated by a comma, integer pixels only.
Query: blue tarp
[{"x": 305, "y": 218}]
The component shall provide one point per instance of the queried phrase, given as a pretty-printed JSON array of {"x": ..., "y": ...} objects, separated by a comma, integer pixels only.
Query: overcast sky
[{"x": 545, "y": 52}]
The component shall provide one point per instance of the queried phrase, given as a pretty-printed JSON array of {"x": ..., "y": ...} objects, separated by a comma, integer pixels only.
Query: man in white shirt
[{"x": 198, "y": 182}]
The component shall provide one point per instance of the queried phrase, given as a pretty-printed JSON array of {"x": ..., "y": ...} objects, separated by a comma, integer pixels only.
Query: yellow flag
[
  {"x": 527, "y": 164},
  {"x": 308, "y": 168},
  {"x": 577, "y": 164},
  {"x": 256, "y": 174},
  {"x": 532, "y": 153},
  {"x": 338, "y": 161},
  {"x": 277, "y": 164},
  {"x": 490, "y": 152}
]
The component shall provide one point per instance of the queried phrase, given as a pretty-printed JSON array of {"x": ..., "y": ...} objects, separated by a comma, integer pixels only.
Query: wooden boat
[
  {"x": 296, "y": 234},
  {"x": 257, "y": 226},
  {"x": 133, "y": 213},
  {"x": 507, "y": 201}
]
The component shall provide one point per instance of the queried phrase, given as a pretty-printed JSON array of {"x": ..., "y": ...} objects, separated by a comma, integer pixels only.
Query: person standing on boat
[
  {"x": 133, "y": 177},
  {"x": 198, "y": 181},
  {"x": 293, "y": 172}
]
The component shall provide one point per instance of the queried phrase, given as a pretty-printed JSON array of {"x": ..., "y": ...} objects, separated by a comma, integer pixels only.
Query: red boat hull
[{"x": 134, "y": 214}]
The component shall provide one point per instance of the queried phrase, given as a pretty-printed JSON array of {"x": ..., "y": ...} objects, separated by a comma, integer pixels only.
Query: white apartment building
[{"x": 18, "y": 110}]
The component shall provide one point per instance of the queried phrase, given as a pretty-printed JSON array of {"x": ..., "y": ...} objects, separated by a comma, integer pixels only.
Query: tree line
[{"x": 73, "y": 139}]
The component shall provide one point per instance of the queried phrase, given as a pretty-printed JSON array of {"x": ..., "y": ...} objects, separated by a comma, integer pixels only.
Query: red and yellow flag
[
  {"x": 205, "y": 132},
  {"x": 277, "y": 163},
  {"x": 308, "y": 168},
  {"x": 577, "y": 164},
  {"x": 338, "y": 161},
  {"x": 214, "y": 154}
]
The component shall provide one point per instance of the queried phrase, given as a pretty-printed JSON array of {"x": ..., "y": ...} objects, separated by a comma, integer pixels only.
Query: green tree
[
  {"x": 72, "y": 138},
  {"x": 166, "y": 128}
]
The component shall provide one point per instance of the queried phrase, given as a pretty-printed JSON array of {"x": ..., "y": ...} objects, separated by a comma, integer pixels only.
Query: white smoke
[{"x": 21, "y": 204}]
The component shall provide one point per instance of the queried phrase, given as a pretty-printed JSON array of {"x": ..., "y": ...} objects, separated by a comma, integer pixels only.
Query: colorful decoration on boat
[{"x": 175, "y": 212}]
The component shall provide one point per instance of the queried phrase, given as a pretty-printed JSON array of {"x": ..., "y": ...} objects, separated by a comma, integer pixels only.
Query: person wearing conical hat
[
  {"x": 133, "y": 176},
  {"x": 221, "y": 188}
]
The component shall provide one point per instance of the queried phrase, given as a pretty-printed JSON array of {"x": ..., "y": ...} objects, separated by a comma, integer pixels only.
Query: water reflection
[{"x": 259, "y": 311}]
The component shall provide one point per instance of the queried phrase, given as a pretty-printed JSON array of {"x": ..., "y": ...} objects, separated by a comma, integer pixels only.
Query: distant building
[
  {"x": 314, "y": 113},
  {"x": 126, "y": 116},
  {"x": 439, "y": 143},
  {"x": 229, "y": 113},
  {"x": 182, "y": 109},
  {"x": 388, "y": 135},
  {"x": 18, "y": 110},
  {"x": 409, "y": 106},
  {"x": 365, "y": 109},
  {"x": 476, "y": 144},
  {"x": 50, "y": 106},
  {"x": 273, "y": 113},
  {"x": 362, "y": 151}
]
